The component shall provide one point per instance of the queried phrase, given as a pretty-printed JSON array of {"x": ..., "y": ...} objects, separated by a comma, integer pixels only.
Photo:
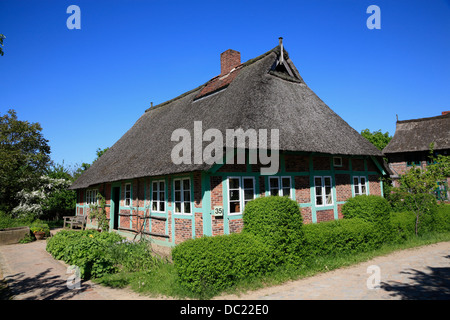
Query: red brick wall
[{"x": 324, "y": 215}]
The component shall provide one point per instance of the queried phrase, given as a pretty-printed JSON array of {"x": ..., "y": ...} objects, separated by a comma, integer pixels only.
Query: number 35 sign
[{"x": 218, "y": 211}]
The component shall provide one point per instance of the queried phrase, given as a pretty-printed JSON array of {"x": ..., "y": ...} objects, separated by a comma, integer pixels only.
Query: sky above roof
[{"x": 88, "y": 86}]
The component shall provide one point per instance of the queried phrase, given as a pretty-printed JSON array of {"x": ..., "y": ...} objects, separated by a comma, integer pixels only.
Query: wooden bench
[{"x": 75, "y": 221}]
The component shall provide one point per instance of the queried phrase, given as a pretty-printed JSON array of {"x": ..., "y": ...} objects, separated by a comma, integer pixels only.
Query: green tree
[
  {"x": 377, "y": 138},
  {"x": 417, "y": 187},
  {"x": 1, "y": 44},
  {"x": 24, "y": 158},
  {"x": 84, "y": 166}
]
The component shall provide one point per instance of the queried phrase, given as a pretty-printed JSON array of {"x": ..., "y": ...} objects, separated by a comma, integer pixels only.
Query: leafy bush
[
  {"x": 210, "y": 264},
  {"x": 370, "y": 208},
  {"x": 340, "y": 237},
  {"x": 373, "y": 209},
  {"x": 86, "y": 249},
  {"x": 278, "y": 222},
  {"x": 131, "y": 256}
]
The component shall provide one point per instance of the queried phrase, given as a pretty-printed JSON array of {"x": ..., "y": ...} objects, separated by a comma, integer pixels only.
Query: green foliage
[
  {"x": 208, "y": 265},
  {"x": 98, "y": 212},
  {"x": 86, "y": 249},
  {"x": 39, "y": 226},
  {"x": 371, "y": 208},
  {"x": 417, "y": 189},
  {"x": 377, "y": 138},
  {"x": 24, "y": 157},
  {"x": 1, "y": 44},
  {"x": 343, "y": 236},
  {"x": 130, "y": 256},
  {"x": 278, "y": 222}
]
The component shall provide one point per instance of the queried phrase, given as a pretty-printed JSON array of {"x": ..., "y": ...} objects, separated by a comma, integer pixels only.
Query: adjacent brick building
[
  {"x": 322, "y": 160},
  {"x": 410, "y": 146}
]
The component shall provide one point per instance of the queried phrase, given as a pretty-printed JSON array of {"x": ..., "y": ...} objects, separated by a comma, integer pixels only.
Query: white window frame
[
  {"x": 125, "y": 197},
  {"x": 182, "y": 200},
  {"x": 92, "y": 196},
  {"x": 359, "y": 185},
  {"x": 280, "y": 186},
  {"x": 323, "y": 191},
  {"x": 241, "y": 189},
  {"x": 158, "y": 200},
  {"x": 337, "y": 164}
]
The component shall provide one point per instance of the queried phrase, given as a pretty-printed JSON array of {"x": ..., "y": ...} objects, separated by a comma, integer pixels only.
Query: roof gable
[
  {"x": 256, "y": 97},
  {"x": 417, "y": 135}
]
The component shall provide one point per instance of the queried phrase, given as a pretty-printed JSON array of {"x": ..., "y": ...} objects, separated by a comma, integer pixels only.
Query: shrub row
[
  {"x": 211, "y": 264},
  {"x": 274, "y": 235},
  {"x": 341, "y": 237}
]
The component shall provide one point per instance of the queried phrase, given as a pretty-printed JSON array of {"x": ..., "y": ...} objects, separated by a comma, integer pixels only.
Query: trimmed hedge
[
  {"x": 340, "y": 237},
  {"x": 211, "y": 264},
  {"x": 277, "y": 221},
  {"x": 372, "y": 209}
]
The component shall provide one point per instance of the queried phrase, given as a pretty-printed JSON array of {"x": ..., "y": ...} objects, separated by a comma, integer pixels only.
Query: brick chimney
[{"x": 229, "y": 60}]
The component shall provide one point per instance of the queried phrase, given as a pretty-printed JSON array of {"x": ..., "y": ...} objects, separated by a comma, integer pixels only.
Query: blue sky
[{"x": 87, "y": 87}]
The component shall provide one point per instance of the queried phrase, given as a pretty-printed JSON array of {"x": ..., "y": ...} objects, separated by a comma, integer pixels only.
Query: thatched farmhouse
[
  {"x": 322, "y": 160},
  {"x": 410, "y": 145}
]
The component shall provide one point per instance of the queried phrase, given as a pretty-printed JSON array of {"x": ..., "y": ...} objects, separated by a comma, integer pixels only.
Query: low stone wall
[{"x": 13, "y": 235}]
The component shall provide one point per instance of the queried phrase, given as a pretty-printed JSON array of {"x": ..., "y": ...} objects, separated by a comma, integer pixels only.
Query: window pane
[
  {"x": 186, "y": 184},
  {"x": 273, "y": 183},
  {"x": 155, "y": 186},
  {"x": 154, "y": 206},
  {"x": 319, "y": 201},
  {"x": 162, "y": 206},
  {"x": 356, "y": 189},
  {"x": 355, "y": 181},
  {"x": 318, "y": 181},
  {"x": 328, "y": 191},
  {"x": 233, "y": 183},
  {"x": 187, "y": 207},
  {"x": 162, "y": 196},
  {"x": 248, "y": 183},
  {"x": 155, "y": 196},
  {"x": 235, "y": 207},
  {"x": 177, "y": 185},
  {"x": 329, "y": 199},
  {"x": 285, "y": 182},
  {"x": 177, "y": 195},
  {"x": 328, "y": 181},
  {"x": 161, "y": 186},
  {"x": 273, "y": 192},
  {"x": 177, "y": 206},
  {"x": 318, "y": 191},
  {"x": 186, "y": 196},
  {"x": 286, "y": 192},
  {"x": 234, "y": 194},
  {"x": 363, "y": 189},
  {"x": 248, "y": 195}
]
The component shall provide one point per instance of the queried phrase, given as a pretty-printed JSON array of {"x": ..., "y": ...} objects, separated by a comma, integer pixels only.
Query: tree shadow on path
[
  {"x": 43, "y": 286},
  {"x": 434, "y": 284}
]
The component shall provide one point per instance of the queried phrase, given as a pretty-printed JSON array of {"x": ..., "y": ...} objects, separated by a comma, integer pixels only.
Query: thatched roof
[
  {"x": 417, "y": 134},
  {"x": 258, "y": 97}
]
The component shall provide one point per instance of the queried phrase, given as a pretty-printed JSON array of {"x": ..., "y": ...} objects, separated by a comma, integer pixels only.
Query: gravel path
[{"x": 418, "y": 273}]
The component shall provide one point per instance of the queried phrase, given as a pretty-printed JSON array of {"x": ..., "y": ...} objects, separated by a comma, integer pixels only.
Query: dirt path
[{"x": 418, "y": 273}]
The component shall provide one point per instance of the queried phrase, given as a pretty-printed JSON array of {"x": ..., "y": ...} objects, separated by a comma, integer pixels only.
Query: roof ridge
[
  {"x": 241, "y": 66},
  {"x": 443, "y": 116}
]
